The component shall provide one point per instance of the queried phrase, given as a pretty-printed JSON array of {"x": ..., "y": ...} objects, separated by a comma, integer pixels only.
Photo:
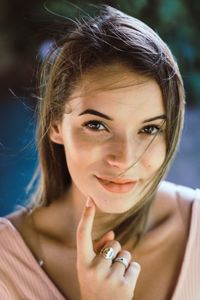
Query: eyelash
[
  {"x": 94, "y": 123},
  {"x": 90, "y": 126},
  {"x": 150, "y": 127}
]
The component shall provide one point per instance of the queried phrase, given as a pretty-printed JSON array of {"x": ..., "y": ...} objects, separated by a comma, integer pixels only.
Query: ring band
[
  {"x": 122, "y": 260},
  {"x": 107, "y": 252}
]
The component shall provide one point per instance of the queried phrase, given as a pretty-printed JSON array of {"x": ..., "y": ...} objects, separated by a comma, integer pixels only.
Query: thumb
[{"x": 109, "y": 236}]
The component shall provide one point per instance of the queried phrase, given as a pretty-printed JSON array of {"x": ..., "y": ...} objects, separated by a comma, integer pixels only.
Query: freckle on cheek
[{"x": 149, "y": 166}]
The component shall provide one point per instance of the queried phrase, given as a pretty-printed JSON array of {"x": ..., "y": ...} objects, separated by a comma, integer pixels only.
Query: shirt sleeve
[{"x": 4, "y": 293}]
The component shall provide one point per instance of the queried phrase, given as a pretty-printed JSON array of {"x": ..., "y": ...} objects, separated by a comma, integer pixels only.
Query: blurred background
[{"x": 27, "y": 28}]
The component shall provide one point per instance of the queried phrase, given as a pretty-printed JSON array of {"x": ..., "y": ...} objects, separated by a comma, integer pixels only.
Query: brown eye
[
  {"x": 150, "y": 129},
  {"x": 95, "y": 125}
]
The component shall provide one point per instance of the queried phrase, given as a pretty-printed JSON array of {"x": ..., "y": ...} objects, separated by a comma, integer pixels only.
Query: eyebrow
[
  {"x": 163, "y": 117},
  {"x": 98, "y": 113}
]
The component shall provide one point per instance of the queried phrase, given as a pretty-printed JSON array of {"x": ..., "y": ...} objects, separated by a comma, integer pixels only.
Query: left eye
[{"x": 151, "y": 129}]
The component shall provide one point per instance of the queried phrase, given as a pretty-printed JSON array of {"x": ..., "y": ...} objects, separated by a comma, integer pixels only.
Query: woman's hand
[{"x": 100, "y": 278}]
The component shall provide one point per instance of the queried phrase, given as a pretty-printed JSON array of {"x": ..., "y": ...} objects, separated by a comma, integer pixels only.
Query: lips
[{"x": 117, "y": 185}]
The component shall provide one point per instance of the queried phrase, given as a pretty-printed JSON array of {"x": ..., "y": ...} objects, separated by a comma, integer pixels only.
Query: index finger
[{"x": 85, "y": 252}]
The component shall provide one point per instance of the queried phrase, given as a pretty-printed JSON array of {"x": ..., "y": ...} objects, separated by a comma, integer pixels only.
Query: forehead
[
  {"x": 117, "y": 87},
  {"x": 110, "y": 77}
]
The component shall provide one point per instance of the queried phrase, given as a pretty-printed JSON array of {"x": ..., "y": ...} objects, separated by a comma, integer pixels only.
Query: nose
[{"x": 123, "y": 153}]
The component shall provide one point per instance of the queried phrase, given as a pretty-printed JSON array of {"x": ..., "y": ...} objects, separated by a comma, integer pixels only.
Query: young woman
[{"x": 103, "y": 224}]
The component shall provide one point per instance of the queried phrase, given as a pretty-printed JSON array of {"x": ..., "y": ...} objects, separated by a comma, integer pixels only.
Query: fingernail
[
  {"x": 112, "y": 232},
  {"x": 89, "y": 202},
  {"x": 136, "y": 266}
]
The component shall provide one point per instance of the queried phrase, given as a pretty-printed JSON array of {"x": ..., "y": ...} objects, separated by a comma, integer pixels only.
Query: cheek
[
  {"x": 154, "y": 156},
  {"x": 79, "y": 149}
]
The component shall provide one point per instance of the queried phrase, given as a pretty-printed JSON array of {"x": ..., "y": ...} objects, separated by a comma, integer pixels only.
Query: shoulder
[
  {"x": 7, "y": 236},
  {"x": 182, "y": 203},
  {"x": 5, "y": 227},
  {"x": 179, "y": 197},
  {"x": 174, "y": 191},
  {"x": 174, "y": 201},
  {"x": 11, "y": 227}
]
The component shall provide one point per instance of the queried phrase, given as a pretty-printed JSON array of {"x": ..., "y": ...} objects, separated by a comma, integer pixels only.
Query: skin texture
[
  {"x": 95, "y": 146},
  {"x": 108, "y": 279},
  {"x": 112, "y": 147},
  {"x": 68, "y": 236}
]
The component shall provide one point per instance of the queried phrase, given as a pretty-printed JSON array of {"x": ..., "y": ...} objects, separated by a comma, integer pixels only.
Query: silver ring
[
  {"x": 107, "y": 252},
  {"x": 122, "y": 260}
]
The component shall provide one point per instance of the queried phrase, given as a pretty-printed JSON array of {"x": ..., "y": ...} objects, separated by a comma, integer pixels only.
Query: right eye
[{"x": 95, "y": 125}]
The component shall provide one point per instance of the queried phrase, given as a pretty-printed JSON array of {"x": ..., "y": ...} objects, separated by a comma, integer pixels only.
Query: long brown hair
[{"x": 111, "y": 36}]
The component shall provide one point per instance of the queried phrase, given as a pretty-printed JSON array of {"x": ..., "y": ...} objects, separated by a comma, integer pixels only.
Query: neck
[
  {"x": 75, "y": 203},
  {"x": 59, "y": 221}
]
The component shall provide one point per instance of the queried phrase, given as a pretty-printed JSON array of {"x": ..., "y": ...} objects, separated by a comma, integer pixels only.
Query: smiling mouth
[{"x": 117, "y": 185}]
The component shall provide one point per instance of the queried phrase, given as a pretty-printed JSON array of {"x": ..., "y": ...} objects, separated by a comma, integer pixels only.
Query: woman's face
[{"x": 114, "y": 115}]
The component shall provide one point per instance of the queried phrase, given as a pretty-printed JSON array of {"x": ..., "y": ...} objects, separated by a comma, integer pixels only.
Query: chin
[
  {"x": 112, "y": 206},
  {"x": 111, "y": 211},
  {"x": 114, "y": 203}
]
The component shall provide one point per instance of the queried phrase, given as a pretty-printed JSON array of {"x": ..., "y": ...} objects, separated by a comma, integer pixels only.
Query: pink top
[{"x": 21, "y": 277}]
